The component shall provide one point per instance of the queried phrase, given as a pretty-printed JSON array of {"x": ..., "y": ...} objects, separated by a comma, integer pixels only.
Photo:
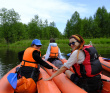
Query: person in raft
[
  {"x": 30, "y": 58},
  {"x": 84, "y": 61},
  {"x": 53, "y": 54}
]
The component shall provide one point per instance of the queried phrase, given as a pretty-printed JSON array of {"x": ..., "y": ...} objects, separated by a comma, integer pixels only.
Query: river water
[{"x": 9, "y": 59}]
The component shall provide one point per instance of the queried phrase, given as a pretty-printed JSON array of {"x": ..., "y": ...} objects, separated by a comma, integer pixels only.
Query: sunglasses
[
  {"x": 38, "y": 45},
  {"x": 72, "y": 43}
]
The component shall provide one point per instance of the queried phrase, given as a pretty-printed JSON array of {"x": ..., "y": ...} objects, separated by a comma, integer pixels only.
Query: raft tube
[
  {"x": 106, "y": 84},
  {"x": 105, "y": 63},
  {"x": 63, "y": 83},
  {"x": 5, "y": 86},
  {"x": 43, "y": 86},
  {"x": 105, "y": 79},
  {"x": 46, "y": 86}
]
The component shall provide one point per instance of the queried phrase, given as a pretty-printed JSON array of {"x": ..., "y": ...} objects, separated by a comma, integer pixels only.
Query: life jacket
[
  {"x": 26, "y": 85},
  {"x": 28, "y": 59},
  {"x": 91, "y": 66},
  {"x": 54, "y": 52}
]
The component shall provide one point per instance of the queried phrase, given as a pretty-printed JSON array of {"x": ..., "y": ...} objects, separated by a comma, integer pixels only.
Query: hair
[
  {"x": 32, "y": 45},
  {"x": 80, "y": 40},
  {"x": 52, "y": 40}
]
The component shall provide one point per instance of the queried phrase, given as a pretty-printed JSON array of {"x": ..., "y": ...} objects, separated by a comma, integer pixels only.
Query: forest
[{"x": 12, "y": 30}]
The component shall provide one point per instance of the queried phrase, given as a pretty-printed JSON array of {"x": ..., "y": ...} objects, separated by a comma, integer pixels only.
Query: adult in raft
[
  {"x": 53, "y": 53},
  {"x": 29, "y": 70},
  {"x": 84, "y": 61}
]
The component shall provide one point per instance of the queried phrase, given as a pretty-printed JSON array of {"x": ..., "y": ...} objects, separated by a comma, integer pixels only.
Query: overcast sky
[{"x": 58, "y": 11}]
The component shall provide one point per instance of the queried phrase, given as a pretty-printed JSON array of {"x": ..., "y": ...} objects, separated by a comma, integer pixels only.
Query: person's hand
[
  {"x": 54, "y": 69},
  {"x": 43, "y": 59},
  {"x": 43, "y": 56},
  {"x": 50, "y": 78}
]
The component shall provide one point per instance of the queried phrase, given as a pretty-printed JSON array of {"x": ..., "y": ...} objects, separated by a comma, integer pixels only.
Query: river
[{"x": 9, "y": 59}]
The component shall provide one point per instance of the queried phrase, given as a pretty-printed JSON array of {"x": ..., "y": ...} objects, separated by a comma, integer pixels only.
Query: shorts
[
  {"x": 74, "y": 78},
  {"x": 89, "y": 84}
]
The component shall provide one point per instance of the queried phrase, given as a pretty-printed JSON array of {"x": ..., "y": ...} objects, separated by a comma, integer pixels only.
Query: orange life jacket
[
  {"x": 54, "y": 52},
  {"x": 28, "y": 59},
  {"x": 26, "y": 85}
]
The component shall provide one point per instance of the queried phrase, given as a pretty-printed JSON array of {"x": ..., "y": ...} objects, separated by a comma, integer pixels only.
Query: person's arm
[
  {"x": 39, "y": 60},
  {"x": 47, "y": 53},
  {"x": 61, "y": 70},
  {"x": 20, "y": 55},
  {"x": 73, "y": 59}
]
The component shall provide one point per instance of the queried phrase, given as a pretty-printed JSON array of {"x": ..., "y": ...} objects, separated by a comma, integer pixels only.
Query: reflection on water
[
  {"x": 0, "y": 70},
  {"x": 9, "y": 59},
  {"x": 5, "y": 68}
]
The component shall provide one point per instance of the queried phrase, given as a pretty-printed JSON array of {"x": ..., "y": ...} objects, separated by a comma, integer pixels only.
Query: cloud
[
  {"x": 53, "y": 10},
  {"x": 58, "y": 11}
]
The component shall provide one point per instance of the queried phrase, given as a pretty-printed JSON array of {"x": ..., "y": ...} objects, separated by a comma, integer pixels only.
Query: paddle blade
[
  {"x": 106, "y": 59},
  {"x": 12, "y": 78},
  {"x": 68, "y": 54}
]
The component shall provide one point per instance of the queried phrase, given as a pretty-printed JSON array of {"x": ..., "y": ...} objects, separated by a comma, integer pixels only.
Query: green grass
[
  {"x": 23, "y": 43},
  {"x": 102, "y": 45},
  {"x": 99, "y": 40},
  {"x": 62, "y": 43}
]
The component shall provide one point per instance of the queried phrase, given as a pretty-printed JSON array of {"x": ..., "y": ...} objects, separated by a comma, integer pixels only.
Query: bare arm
[{"x": 61, "y": 70}]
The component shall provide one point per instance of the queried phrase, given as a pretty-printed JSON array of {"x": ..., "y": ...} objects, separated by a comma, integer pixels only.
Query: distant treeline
[
  {"x": 12, "y": 30},
  {"x": 92, "y": 27}
]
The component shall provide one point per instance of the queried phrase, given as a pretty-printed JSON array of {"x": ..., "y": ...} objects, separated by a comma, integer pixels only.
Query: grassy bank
[
  {"x": 25, "y": 43},
  {"x": 99, "y": 43}
]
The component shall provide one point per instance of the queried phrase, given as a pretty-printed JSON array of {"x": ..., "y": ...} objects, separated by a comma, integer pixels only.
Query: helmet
[{"x": 36, "y": 42}]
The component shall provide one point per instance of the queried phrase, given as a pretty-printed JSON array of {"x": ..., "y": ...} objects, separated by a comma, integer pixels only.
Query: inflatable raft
[
  {"x": 105, "y": 62},
  {"x": 5, "y": 86},
  {"x": 65, "y": 83},
  {"x": 46, "y": 86},
  {"x": 105, "y": 79},
  {"x": 42, "y": 86}
]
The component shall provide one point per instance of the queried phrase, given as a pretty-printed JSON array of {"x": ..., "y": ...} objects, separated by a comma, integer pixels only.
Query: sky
[{"x": 58, "y": 11}]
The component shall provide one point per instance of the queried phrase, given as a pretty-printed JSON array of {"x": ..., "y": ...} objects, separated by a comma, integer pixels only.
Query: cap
[{"x": 36, "y": 42}]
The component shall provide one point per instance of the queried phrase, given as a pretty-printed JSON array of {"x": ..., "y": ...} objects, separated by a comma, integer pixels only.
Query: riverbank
[
  {"x": 61, "y": 42},
  {"x": 98, "y": 43}
]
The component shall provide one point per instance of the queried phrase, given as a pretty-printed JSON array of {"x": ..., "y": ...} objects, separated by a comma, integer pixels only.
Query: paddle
[
  {"x": 68, "y": 54},
  {"x": 106, "y": 59},
  {"x": 105, "y": 80},
  {"x": 12, "y": 78}
]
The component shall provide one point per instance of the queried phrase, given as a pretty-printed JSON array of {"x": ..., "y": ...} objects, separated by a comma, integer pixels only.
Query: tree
[
  {"x": 67, "y": 30},
  {"x": 8, "y": 18},
  {"x": 101, "y": 18},
  {"x": 84, "y": 27},
  {"x": 46, "y": 33},
  {"x": 34, "y": 28},
  {"x": 108, "y": 27},
  {"x": 73, "y": 25}
]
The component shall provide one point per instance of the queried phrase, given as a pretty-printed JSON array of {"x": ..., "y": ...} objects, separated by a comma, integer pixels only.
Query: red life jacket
[
  {"x": 91, "y": 66},
  {"x": 54, "y": 52},
  {"x": 28, "y": 59}
]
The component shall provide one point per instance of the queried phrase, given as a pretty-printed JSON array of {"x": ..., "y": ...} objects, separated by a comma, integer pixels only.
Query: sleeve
[
  {"x": 73, "y": 59},
  {"x": 47, "y": 53},
  {"x": 39, "y": 60},
  {"x": 20, "y": 55}
]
